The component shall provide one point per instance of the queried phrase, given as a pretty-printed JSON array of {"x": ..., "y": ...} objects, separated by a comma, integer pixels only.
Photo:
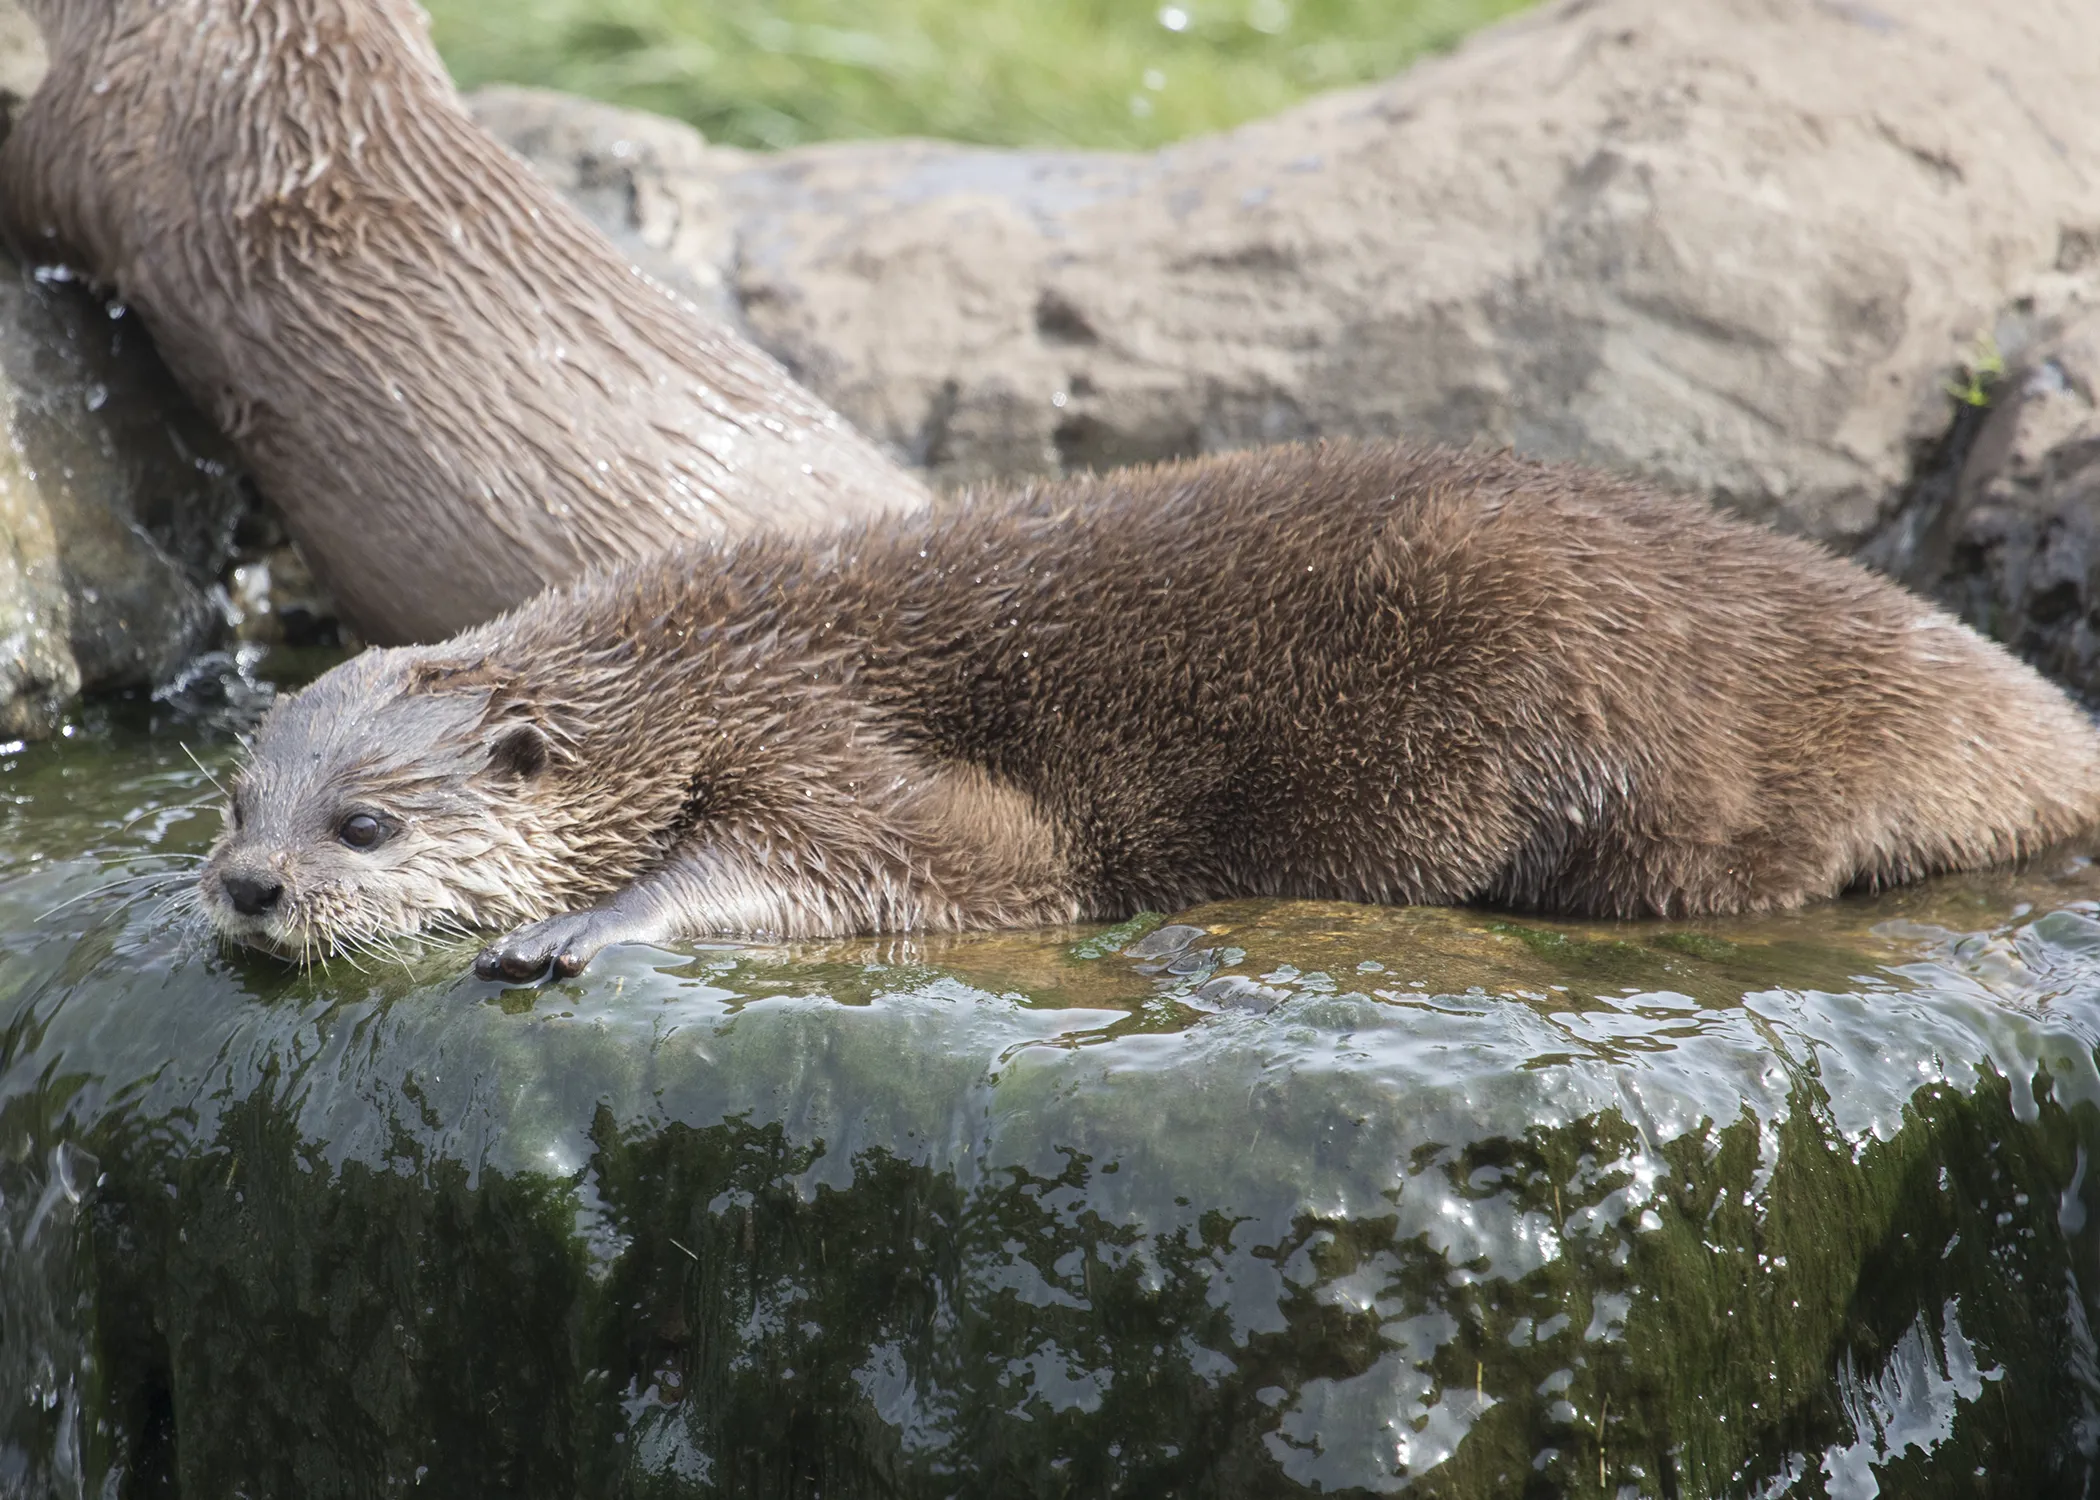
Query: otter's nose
[{"x": 251, "y": 897}]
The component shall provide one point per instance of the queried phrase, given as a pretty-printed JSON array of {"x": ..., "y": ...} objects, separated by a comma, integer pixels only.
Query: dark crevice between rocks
[
  {"x": 1088, "y": 443},
  {"x": 302, "y": 616},
  {"x": 931, "y": 447},
  {"x": 1911, "y": 546},
  {"x": 1059, "y": 321},
  {"x": 2009, "y": 545}
]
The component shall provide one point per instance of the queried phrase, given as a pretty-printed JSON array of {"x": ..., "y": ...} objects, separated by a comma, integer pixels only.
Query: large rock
[
  {"x": 1736, "y": 246},
  {"x": 118, "y": 504},
  {"x": 38, "y": 672}
]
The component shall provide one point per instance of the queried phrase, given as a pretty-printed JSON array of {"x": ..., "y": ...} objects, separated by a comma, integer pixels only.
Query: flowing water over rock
[{"x": 1260, "y": 1199}]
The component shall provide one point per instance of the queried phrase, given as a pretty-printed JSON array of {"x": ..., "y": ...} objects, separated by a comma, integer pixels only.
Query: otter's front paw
[{"x": 567, "y": 942}]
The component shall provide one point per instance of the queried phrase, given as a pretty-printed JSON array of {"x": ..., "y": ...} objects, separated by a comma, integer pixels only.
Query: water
[{"x": 1262, "y": 1199}]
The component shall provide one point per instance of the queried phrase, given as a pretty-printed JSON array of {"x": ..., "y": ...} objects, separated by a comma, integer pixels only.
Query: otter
[
  {"x": 453, "y": 386},
  {"x": 1372, "y": 673}
]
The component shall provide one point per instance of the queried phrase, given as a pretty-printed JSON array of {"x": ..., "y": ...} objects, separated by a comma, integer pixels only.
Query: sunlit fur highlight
[
  {"x": 1362, "y": 672},
  {"x": 453, "y": 385}
]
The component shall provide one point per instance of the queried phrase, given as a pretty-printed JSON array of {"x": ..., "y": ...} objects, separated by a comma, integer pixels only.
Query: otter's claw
[{"x": 567, "y": 943}]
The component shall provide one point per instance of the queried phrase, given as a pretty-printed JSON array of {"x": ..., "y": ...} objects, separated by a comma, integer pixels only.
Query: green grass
[{"x": 1114, "y": 73}]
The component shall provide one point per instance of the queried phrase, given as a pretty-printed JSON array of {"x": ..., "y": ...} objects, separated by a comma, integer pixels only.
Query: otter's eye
[{"x": 361, "y": 831}]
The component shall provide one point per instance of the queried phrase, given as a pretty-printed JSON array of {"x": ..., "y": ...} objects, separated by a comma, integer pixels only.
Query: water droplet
[
  {"x": 96, "y": 396},
  {"x": 1174, "y": 18},
  {"x": 1155, "y": 80}
]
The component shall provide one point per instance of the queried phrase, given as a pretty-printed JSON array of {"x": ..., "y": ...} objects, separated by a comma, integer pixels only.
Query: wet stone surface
[{"x": 1258, "y": 1199}]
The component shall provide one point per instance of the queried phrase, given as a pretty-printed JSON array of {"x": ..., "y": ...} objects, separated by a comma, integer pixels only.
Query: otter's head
[{"x": 395, "y": 795}]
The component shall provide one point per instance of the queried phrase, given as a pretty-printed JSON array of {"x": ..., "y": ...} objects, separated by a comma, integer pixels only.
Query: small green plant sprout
[{"x": 1981, "y": 370}]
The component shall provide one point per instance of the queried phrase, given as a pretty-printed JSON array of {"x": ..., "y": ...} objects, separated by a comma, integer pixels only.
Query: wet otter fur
[
  {"x": 1371, "y": 673},
  {"x": 455, "y": 388}
]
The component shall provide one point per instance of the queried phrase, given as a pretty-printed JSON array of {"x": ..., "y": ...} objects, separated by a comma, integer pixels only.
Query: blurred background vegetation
[{"x": 1112, "y": 73}]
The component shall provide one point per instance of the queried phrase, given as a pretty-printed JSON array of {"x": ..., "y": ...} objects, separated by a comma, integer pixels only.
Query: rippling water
[{"x": 1260, "y": 1199}]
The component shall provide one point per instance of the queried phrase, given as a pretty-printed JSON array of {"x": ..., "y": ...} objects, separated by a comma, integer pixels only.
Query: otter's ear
[{"x": 520, "y": 752}]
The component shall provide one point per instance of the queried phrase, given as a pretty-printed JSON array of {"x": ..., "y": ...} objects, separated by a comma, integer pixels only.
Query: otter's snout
[{"x": 251, "y": 896}]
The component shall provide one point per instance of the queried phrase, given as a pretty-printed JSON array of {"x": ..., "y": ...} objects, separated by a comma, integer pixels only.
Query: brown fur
[
  {"x": 1368, "y": 673},
  {"x": 453, "y": 386}
]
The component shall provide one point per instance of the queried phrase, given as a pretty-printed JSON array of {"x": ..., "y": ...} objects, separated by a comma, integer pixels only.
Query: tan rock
[
  {"x": 1735, "y": 245},
  {"x": 22, "y": 59},
  {"x": 38, "y": 674}
]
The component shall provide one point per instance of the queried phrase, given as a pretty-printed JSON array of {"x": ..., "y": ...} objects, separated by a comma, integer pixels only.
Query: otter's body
[
  {"x": 1366, "y": 673},
  {"x": 455, "y": 388}
]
